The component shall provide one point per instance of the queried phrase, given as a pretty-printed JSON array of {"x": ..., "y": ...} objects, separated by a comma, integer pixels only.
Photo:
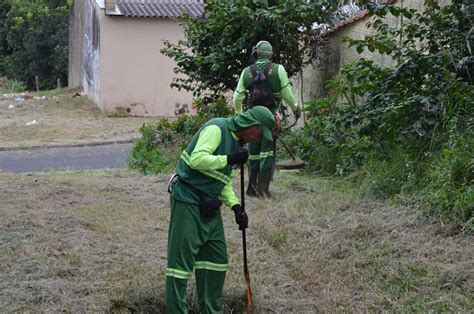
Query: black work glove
[
  {"x": 239, "y": 157},
  {"x": 241, "y": 217}
]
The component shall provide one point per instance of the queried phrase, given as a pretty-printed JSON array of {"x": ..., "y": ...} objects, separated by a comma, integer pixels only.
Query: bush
[
  {"x": 145, "y": 155},
  {"x": 161, "y": 143},
  {"x": 407, "y": 129},
  {"x": 14, "y": 86},
  {"x": 450, "y": 179}
]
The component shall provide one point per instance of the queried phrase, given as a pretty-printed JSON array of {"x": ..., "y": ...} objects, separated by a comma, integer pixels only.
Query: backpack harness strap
[{"x": 266, "y": 70}]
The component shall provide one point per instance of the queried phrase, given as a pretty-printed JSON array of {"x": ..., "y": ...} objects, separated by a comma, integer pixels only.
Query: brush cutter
[
  {"x": 293, "y": 163},
  {"x": 244, "y": 244}
]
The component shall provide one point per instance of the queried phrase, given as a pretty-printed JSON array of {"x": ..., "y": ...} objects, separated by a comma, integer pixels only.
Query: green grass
[{"x": 56, "y": 92}]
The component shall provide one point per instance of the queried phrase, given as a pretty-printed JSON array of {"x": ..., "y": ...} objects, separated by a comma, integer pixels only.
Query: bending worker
[
  {"x": 262, "y": 155},
  {"x": 202, "y": 182}
]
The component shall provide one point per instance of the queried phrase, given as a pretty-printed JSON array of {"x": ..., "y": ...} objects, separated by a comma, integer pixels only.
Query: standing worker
[
  {"x": 203, "y": 180},
  {"x": 268, "y": 84}
]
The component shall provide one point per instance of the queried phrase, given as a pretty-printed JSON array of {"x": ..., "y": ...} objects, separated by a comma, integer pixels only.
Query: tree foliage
[
  {"x": 216, "y": 48},
  {"x": 34, "y": 40},
  {"x": 408, "y": 127}
]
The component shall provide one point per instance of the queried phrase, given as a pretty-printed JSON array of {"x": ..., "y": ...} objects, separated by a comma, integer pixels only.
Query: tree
[
  {"x": 216, "y": 48},
  {"x": 4, "y": 9},
  {"x": 36, "y": 41}
]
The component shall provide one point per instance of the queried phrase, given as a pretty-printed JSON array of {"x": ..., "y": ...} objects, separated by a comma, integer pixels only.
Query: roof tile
[{"x": 161, "y": 8}]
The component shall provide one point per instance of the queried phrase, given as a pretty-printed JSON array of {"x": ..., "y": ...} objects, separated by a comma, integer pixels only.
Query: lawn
[{"x": 96, "y": 241}]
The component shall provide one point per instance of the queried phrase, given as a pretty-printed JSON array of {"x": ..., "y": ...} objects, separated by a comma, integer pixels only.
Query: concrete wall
[
  {"x": 337, "y": 53},
  {"x": 92, "y": 53},
  {"x": 76, "y": 43},
  {"x": 118, "y": 63},
  {"x": 134, "y": 74},
  {"x": 84, "y": 53}
]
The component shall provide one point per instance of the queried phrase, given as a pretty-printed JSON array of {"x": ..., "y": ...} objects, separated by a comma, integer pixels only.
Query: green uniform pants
[
  {"x": 262, "y": 156},
  {"x": 195, "y": 242}
]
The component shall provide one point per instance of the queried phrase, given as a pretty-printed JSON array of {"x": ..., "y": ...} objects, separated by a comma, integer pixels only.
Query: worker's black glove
[
  {"x": 239, "y": 157},
  {"x": 297, "y": 112},
  {"x": 241, "y": 217}
]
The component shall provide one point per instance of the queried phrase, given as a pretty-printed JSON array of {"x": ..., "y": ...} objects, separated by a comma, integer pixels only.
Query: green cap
[
  {"x": 257, "y": 115},
  {"x": 264, "y": 49}
]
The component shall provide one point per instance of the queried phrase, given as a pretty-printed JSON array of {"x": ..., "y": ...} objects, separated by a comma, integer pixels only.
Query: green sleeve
[
  {"x": 228, "y": 195},
  {"x": 239, "y": 94},
  {"x": 208, "y": 141},
  {"x": 286, "y": 91}
]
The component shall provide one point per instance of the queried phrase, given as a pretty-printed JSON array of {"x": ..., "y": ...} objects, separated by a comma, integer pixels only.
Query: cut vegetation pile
[{"x": 96, "y": 241}]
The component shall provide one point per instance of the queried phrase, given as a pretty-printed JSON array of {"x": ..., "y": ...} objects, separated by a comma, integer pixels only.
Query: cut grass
[{"x": 95, "y": 241}]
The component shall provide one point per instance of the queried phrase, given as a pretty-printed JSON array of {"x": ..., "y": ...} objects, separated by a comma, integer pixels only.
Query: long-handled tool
[{"x": 244, "y": 244}]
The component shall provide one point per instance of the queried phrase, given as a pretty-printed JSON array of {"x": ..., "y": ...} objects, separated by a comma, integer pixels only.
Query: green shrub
[
  {"x": 161, "y": 143},
  {"x": 407, "y": 129},
  {"x": 391, "y": 173},
  {"x": 145, "y": 155},
  {"x": 14, "y": 86},
  {"x": 450, "y": 179}
]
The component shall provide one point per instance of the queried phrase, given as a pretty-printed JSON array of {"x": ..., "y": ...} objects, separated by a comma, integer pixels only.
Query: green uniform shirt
[
  {"x": 283, "y": 91},
  {"x": 203, "y": 164}
]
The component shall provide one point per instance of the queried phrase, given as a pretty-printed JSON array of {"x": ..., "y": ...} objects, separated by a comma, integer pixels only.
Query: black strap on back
[{"x": 266, "y": 69}]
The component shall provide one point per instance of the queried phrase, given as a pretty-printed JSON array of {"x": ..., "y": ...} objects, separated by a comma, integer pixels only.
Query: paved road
[{"x": 73, "y": 158}]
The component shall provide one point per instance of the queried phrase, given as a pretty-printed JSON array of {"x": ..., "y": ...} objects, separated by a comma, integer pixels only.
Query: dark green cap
[
  {"x": 264, "y": 49},
  {"x": 257, "y": 115}
]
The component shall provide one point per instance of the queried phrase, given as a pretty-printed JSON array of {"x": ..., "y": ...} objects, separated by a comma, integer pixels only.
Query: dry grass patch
[
  {"x": 96, "y": 241},
  {"x": 61, "y": 120}
]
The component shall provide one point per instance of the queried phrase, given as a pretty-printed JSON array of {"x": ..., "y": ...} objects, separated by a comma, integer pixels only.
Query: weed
[{"x": 14, "y": 86}]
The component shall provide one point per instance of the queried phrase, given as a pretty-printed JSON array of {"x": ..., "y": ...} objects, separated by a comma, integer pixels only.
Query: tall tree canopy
[{"x": 34, "y": 40}]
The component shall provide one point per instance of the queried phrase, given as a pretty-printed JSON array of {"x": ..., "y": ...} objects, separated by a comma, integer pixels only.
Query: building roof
[
  {"x": 351, "y": 18},
  {"x": 160, "y": 8}
]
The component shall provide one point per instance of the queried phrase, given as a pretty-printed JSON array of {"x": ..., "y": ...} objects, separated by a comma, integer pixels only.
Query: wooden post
[
  {"x": 59, "y": 83},
  {"x": 37, "y": 83}
]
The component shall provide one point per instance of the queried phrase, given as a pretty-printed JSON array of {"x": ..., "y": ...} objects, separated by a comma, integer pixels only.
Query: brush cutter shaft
[{"x": 287, "y": 149}]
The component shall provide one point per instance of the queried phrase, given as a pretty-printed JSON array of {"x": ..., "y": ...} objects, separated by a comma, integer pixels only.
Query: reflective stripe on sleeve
[
  {"x": 210, "y": 173},
  {"x": 200, "y": 151}
]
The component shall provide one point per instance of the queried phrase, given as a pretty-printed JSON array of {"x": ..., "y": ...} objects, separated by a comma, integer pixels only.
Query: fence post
[{"x": 37, "y": 83}]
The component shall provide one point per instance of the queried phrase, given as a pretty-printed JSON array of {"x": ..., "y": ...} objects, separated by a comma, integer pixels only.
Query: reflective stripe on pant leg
[
  {"x": 267, "y": 155},
  {"x": 211, "y": 266},
  {"x": 254, "y": 156}
]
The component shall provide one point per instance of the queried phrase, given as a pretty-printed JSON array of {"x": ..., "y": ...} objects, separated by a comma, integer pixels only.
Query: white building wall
[{"x": 134, "y": 75}]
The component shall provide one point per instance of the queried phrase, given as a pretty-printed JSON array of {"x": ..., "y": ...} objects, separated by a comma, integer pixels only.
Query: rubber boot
[
  {"x": 264, "y": 183},
  {"x": 252, "y": 189}
]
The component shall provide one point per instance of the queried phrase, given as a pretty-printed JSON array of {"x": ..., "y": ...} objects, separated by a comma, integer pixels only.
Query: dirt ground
[
  {"x": 60, "y": 120},
  {"x": 96, "y": 241}
]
